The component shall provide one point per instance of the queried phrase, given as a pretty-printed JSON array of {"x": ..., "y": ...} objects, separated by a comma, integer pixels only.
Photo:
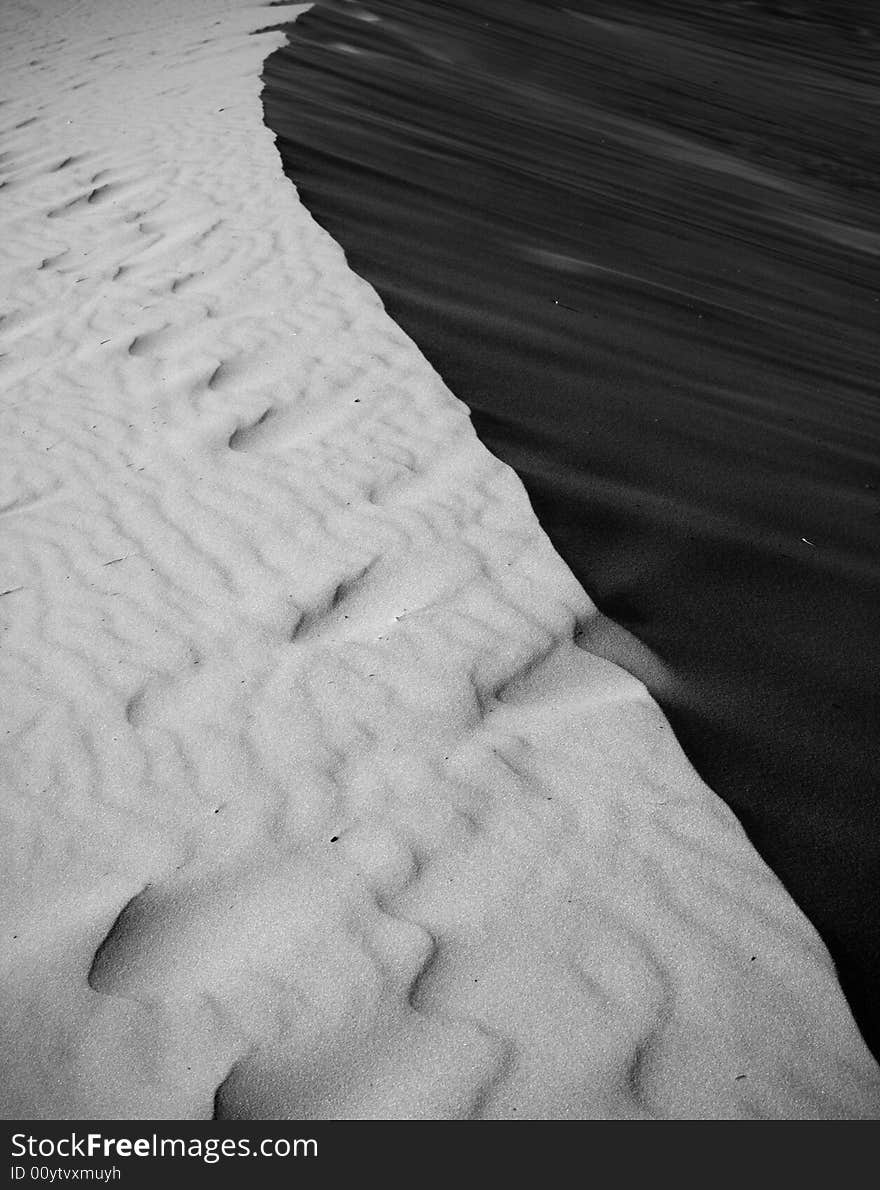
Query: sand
[{"x": 317, "y": 802}]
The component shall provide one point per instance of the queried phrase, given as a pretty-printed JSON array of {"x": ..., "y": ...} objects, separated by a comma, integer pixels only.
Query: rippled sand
[{"x": 317, "y": 800}]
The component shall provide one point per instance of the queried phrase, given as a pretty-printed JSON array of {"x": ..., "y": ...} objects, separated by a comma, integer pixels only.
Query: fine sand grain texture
[{"x": 316, "y": 801}]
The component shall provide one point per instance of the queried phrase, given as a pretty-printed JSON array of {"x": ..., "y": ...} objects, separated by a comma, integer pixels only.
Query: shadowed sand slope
[
  {"x": 640, "y": 239},
  {"x": 318, "y": 800}
]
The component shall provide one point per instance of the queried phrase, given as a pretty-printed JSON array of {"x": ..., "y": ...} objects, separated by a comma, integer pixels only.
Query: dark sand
[{"x": 645, "y": 253}]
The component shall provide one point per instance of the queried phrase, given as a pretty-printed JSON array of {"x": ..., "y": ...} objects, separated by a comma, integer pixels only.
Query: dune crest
[{"x": 316, "y": 802}]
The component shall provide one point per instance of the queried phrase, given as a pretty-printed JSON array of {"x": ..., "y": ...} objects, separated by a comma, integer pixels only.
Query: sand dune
[
  {"x": 642, "y": 250},
  {"x": 317, "y": 802}
]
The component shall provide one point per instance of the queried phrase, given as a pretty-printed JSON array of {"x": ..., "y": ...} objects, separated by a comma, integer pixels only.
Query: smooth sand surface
[
  {"x": 312, "y": 805},
  {"x": 640, "y": 239}
]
